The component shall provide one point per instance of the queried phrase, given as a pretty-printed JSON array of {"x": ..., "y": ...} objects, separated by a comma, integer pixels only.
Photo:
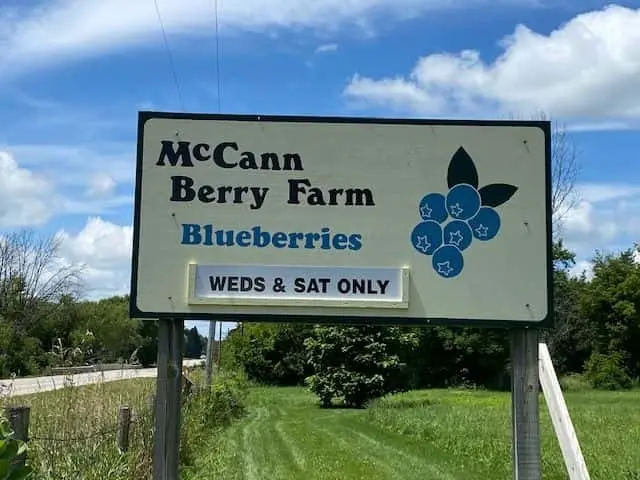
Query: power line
[
  {"x": 166, "y": 44},
  {"x": 217, "y": 53}
]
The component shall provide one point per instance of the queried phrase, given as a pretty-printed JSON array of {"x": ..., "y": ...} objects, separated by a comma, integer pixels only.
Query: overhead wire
[
  {"x": 217, "y": 54},
  {"x": 169, "y": 54}
]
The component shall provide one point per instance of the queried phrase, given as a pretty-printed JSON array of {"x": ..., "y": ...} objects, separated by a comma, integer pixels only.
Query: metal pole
[
  {"x": 209, "y": 363},
  {"x": 220, "y": 347},
  {"x": 524, "y": 402}
]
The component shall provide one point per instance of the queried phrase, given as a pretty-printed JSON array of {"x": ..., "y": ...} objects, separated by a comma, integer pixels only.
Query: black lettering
[
  {"x": 315, "y": 197},
  {"x": 222, "y": 194},
  {"x": 313, "y": 286},
  {"x": 237, "y": 194},
  {"x": 248, "y": 161},
  {"x": 358, "y": 285},
  {"x": 298, "y": 285},
  {"x": 182, "y": 189},
  {"x": 325, "y": 283},
  {"x": 383, "y": 284},
  {"x": 205, "y": 194},
  {"x": 334, "y": 193},
  {"x": 246, "y": 284},
  {"x": 269, "y": 161},
  {"x": 344, "y": 286},
  {"x": 292, "y": 157},
  {"x": 182, "y": 153},
  {"x": 233, "y": 284},
  {"x": 218, "y": 154},
  {"x": 217, "y": 283},
  {"x": 259, "y": 196},
  {"x": 197, "y": 152},
  {"x": 359, "y": 196},
  {"x": 295, "y": 189},
  {"x": 258, "y": 284}
]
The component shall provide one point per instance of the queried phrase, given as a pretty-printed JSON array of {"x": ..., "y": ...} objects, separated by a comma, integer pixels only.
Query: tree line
[
  {"x": 596, "y": 335},
  {"x": 44, "y": 324}
]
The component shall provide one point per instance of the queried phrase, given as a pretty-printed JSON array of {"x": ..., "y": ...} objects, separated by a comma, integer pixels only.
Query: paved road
[{"x": 24, "y": 386}]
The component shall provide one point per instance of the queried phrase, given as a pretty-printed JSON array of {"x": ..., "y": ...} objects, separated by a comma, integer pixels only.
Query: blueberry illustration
[
  {"x": 448, "y": 261},
  {"x": 486, "y": 224},
  {"x": 432, "y": 207},
  {"x": 458, "y": 233},
  {"x": 463, "y": 201},
  {"x": 426, "y": 237}
]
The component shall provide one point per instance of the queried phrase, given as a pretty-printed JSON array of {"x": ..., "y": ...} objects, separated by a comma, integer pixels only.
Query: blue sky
[{"x": 74, "y": 73}]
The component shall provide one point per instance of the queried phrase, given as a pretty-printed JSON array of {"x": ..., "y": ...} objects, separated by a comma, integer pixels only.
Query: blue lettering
[
  {"x": 355, "y": 241},
  {"x": 208, "y": 235},
  {"x": 191, "y": 234}
]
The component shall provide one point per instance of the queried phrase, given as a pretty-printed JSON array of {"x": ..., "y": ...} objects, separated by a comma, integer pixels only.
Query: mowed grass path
[{"x": 419, "y": 435}]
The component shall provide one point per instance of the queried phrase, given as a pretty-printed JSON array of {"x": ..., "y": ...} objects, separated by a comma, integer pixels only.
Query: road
[{"x": 25, "y": 386}]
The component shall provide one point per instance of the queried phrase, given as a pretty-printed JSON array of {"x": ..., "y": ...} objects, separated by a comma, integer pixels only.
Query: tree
[
  {"x": 269, "y": 353},
  {"x": 34, "y": 280},
  {"x": 571, "y": 341},
  {"x": 194, "y": 346},
  {"x": 612, "y": 305},
  {"x": 357, "y": 363},
  {"x": 564, "y": 172},
  {"x": 32, "y": 273}
]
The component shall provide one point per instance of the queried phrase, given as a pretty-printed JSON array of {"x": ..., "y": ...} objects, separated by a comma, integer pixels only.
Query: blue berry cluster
[{"x": 451, "y": 222}]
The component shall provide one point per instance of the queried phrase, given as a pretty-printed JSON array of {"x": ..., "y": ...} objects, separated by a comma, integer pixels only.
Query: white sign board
[{"x": 342, "y": 220}]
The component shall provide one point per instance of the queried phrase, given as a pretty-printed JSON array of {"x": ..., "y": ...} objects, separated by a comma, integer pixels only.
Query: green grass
[
  {"x": 72, "y": 431},
  {"x": 436, "y": 434}
]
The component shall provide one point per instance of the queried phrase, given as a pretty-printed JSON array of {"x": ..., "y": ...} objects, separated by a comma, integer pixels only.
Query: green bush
[
  {"x": 574, "y": 382},
  {"x": 10, "y": 449},
  {"x": 212, "y": 409},
  {"x": 357, "y": 364},
  {"x": 607, "y": 372}
]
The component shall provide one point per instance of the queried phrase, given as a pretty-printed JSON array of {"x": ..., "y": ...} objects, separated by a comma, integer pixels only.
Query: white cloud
[
  {"x": 587, "y": 68},
  {"x": 25, "y": 197},
  {"x": 62, "y": 29},
  {"x": 606, "y": 219},
  {"x": 103, "y": 249},
  {"x": 101, "y": 184},
  {"x": 52, "y": 181},
  {"x": 329, "y": 47}
]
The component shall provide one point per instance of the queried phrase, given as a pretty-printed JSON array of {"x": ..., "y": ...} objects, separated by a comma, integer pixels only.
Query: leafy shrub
[
  {"x": 10, "y": 450},
  {"x": 574, "y": 382},
  {"x": 212, "y": 409},
  {"x": 607, "y": 372},
  {"x": 357, "y": 364}
]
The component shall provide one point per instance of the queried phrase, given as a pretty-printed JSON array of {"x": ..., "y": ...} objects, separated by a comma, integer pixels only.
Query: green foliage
[
  {"x": 357, "y": 364},
  {"x": 10, "y": 450},
  {"x": 608, "y": 372},
  {"x": 208, "y": 411},
  {"x": 269, "y": 353},
  {"x": 612, "y": 304},
  {"x": 193, "y": 344},
  {"x": 574, "y": 382}
]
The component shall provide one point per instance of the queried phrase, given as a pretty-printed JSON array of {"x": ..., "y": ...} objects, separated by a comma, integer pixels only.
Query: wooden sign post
[
  {"x": 166, "y": 445},
  {"x": 524, "y": 401}
]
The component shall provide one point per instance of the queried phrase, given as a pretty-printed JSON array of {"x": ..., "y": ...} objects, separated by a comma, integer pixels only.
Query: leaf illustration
[
  {"x": 462, "y": 170},
  {"x": 496, "y": 194}
]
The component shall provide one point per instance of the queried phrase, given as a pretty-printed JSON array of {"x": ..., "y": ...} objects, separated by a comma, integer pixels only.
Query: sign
[
  {"x": 319, "y": 286},
  {"x": 335, "y": 220}
]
